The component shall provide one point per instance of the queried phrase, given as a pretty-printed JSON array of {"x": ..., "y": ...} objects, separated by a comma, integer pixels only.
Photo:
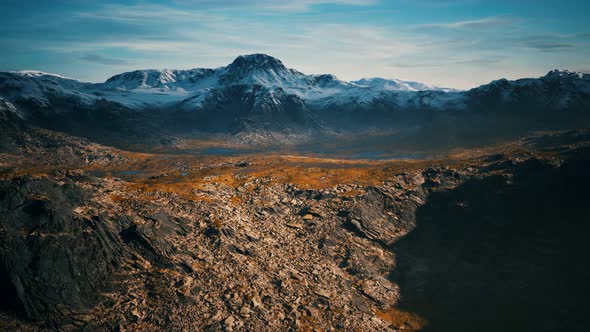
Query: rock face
[
  {"x": 52, "y": 259},
  {"x": 62, "y": 255},
  {"x": 381, "y": 215},
  {"x": 260, "y": 69}
]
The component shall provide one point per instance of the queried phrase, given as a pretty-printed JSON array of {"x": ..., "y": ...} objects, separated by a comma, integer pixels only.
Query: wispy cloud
[
  {"x": 548, "y": 42},
  {"x": 302, "y": 5},
  {"x": 414, "y": 64},
  {"x": 483, "y": 60},
  {"x": 548, "y": 46},
  {"x": 144, "y": 13},
  {"x": 103, "y": 60},
  {"x": 478, "y": 24},
  {"x": 473, "y": 61},
  {"x": 273, "y": 5}
]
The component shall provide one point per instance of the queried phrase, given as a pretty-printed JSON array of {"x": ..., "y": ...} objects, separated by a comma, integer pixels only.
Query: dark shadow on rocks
[
  {"x": 51, "y": 259},
  {"x": 9, "y": 300},
  {"x": 502, "y": 253}
]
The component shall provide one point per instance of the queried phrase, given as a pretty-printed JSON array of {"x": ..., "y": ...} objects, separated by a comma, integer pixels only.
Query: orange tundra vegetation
[
  {"x": 402, "y": 319},
  {"x": 301, "y": 176},
  {"x": 304, "y": 172}
]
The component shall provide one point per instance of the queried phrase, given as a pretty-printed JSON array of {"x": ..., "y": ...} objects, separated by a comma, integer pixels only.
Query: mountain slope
[{"x": 22, "y": 144}]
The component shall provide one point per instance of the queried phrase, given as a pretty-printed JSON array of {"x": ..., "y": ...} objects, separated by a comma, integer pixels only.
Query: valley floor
[{"x": 480, "y": 239}]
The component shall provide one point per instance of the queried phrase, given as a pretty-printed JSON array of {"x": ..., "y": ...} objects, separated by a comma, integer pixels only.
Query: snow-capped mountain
[
  {"x": 559, "y": 89},
  {"x": 147, "y": 88},
  {"x": 259, "y": 91}
]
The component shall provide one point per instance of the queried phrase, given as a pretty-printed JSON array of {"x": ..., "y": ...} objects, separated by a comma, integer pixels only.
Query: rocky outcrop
[{"x": 54, "y": 262}]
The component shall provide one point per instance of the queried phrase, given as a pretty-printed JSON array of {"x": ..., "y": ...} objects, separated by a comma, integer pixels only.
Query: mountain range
[{"x": 259, "y": 94}]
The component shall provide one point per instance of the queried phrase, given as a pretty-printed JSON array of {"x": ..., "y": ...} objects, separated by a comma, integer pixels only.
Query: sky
[{"x": 451, "y": 43}]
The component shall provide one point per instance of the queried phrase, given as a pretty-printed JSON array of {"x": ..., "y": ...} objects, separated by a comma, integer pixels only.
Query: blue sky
[{"x": 454, "y": 43}]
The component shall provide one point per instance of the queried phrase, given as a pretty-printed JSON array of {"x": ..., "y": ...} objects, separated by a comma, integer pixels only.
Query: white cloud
[
  {"x": 274, "y": 5},
  {"x": 144, "y": 13},
  {"x": 302, "y": 5},
  {"x": 479, "y": 24}
]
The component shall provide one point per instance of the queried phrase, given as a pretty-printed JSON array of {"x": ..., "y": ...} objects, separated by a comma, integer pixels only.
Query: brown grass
[
  {"x": 235, "y": 200},
  {"x": 218, "y": 223},
  {"x": 273, "y": 169},
  {"x": 402, "y": 319}
]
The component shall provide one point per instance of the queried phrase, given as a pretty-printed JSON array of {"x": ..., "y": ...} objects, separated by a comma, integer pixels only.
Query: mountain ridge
[
  {"x": 255, "y": 60},
  {"x": 259, "y": 93}
]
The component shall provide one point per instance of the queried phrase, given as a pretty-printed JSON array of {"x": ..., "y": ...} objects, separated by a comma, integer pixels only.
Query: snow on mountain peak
[
  {"x": 256, "y": 62},
  {"x": 150, "y": 77},
  {"x": 564, "y": 73},
  {"x": 258, "y": 69},
  {"x": 382, "y": 84},
  {"x": 157, "y": 78},
  {"x": 36, "y": 73},
  {"x": 324, "y": 79}
]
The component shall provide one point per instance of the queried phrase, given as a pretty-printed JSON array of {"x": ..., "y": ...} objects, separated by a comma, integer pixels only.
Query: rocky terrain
[{"x": 479, "y": 239}]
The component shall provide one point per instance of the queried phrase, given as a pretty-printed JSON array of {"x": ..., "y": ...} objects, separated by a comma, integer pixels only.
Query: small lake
[
  {"x": 217, "y": 151},
  {"x": 382, "y": 155},
  {"x": 129, "y": 172},
  {"x": 352, "y": 155}
]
